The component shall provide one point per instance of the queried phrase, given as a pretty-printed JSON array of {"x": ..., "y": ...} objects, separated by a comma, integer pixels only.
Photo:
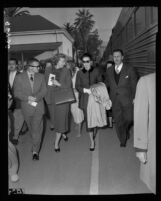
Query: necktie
[
  {"x": 32, "y": 80},
  {"x": 117, "y": 69},
  {"x": 31, "y": 77}
]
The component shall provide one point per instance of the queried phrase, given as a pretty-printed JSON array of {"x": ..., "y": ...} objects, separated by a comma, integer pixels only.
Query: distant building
[{"x": 35, "y": 36}]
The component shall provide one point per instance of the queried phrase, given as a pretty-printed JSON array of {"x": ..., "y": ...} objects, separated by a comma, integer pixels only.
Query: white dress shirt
[
  {"x": 12, "y": 75},
  {"x": 118, "y": 68}
]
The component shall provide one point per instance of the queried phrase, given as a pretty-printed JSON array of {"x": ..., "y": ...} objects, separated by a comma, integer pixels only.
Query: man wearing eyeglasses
[
  {"x": 30, "y": 88},
  {"x": 86, "y": 77}
]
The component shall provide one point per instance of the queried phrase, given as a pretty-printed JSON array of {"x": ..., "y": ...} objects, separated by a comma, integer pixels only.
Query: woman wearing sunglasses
[{"x": 85, "y": 79}]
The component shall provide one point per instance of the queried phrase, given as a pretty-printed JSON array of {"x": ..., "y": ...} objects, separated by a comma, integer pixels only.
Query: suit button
[{"x": 117, "y": 94}]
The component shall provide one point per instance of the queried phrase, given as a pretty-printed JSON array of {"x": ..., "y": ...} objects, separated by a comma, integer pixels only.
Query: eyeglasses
[
  {"x": 34, "y": 66},
  {"x": 87, "y": 61}
]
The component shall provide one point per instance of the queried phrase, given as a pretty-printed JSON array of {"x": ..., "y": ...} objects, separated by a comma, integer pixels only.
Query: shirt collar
[
  {"x": 119, "y": 67},
  {"x": 29, "y": 74}
]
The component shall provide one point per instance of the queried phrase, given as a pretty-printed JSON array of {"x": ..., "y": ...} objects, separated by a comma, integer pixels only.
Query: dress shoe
[
  {"x": 35, "y": 156},
  {"x": 57, "y": 149},
  {"x": 14, "y": 141},
  {"x": 122, "y": 144}
]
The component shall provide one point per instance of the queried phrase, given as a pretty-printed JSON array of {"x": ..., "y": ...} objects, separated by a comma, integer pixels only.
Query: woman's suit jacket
[
  {"x": 84, "y": 80},
  {"x": 63, "y": 76}
]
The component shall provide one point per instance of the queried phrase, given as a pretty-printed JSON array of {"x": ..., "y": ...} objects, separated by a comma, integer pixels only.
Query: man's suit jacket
[
  {"x": 22, "y": 89},
  {"x": 84, "y": 80},
  {"x": 124, "y": 91},
  {"x": 16, "y": 101}
]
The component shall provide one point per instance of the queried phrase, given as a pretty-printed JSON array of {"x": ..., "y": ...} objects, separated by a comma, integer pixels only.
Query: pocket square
[{"x": 127, "y": 76}]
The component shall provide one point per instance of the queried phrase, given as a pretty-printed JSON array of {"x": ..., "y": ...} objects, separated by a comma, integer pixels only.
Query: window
[{"x": 139, "y": 20}]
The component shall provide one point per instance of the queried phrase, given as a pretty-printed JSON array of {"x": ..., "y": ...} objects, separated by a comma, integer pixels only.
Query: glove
[
  {"x": 142, "y": 156},
  {"x": 88, "y": 91}
]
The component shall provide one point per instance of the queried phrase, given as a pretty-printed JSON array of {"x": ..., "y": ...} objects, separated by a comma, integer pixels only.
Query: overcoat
[{"x": 145, "y": 127}]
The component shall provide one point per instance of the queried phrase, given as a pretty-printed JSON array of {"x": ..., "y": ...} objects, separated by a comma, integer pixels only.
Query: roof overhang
[
  {"x": 40, "y": 32},
  {"x": 32, "y": 50},
  {"x": 40, "y": 47}
]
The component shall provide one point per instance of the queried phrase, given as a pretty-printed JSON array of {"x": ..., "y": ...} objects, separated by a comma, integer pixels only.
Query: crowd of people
[{"x": 100, "y": 98}]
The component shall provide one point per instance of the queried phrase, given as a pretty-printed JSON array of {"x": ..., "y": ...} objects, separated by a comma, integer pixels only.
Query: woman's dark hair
[{"x": 86, "y": 55}]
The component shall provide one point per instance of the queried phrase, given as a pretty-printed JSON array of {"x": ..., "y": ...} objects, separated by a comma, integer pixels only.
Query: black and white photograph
[{"x": 81, "y": 100}]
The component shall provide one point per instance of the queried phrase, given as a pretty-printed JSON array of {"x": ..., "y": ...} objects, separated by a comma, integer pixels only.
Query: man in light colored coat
[{"x": 145, "y": 129}]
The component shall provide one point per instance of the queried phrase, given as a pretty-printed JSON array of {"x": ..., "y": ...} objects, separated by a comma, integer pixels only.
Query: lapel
[
  {"x": 112, "y": 69},
  {"x": 122, "y": 73}
]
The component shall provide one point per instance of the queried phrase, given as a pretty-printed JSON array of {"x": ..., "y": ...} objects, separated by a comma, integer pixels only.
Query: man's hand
[
  {"x": 142, "y": 156},
  {"x": 88, "y": 91},
  {"x": 31, "y": 99}
]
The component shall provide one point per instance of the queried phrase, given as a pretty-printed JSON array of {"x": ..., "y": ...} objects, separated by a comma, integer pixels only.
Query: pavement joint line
[{"x": 94, "y": 180}]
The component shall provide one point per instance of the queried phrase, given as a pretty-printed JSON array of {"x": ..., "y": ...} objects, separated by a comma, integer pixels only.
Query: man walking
[
  {"x": 30, "y": 88},
  {"x": 15, "y": 107},
  {"x": 122, "y": 80}
]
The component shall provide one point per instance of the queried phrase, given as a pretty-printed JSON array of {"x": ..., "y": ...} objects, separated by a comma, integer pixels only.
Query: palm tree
[
  {"x": 69, "y": 27},
  {"x": 84, "y": 25},
  {"x": 14, "y": 11},
  {"x": 76, "y": 36}
]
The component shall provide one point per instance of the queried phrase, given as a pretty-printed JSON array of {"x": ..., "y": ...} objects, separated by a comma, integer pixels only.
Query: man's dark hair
[
  {"x": 31, "y": 60},
  {"x": 86, "y": 55},
  {"x": 14, "y": 59},
  {"x": 119, "y": 50}
]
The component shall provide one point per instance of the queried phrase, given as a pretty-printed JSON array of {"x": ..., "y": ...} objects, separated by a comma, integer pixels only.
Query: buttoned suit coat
[
  {"x": 124, "y": 91},
  {"x": 84, "y": 80},
  {"x": 22, "y": 89}
]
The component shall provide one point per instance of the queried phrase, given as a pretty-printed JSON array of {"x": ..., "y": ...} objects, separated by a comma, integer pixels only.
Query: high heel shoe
[
  {"x": 65, "y": 138},
  {"x": 92, "y": 148},
  {"x": 57, "y": 149}
]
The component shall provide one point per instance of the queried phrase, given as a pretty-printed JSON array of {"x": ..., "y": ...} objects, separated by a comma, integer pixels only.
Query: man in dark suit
[
  {"x": 122, "y": 80},
  {"x": 30, "y": 88},
  {"x": 16, "y": 106}
]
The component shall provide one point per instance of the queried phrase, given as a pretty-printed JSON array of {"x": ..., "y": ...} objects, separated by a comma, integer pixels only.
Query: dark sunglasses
[
  {"x": 87, "y": 61},
  {"x": 34, "y": 66}
]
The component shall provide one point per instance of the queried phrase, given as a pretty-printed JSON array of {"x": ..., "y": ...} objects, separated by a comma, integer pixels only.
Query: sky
[{"x": 105, "y": 17}]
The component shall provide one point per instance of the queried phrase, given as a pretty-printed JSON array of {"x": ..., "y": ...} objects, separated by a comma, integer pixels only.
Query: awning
[
  {"x": 35, "y": 47},
  {"x": 31, "y": 50}
]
